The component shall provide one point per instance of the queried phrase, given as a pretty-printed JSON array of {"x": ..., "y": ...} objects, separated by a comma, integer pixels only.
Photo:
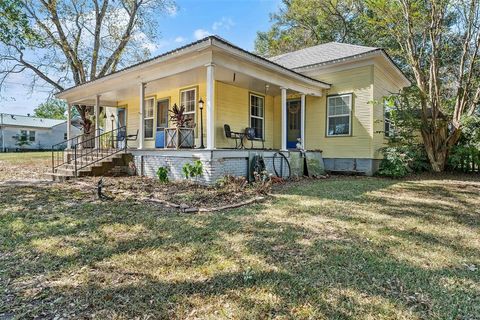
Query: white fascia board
[
  {"x": 270, "y": 65},
  {"x": 140, "y": 67},
  {"x": 135, "y": 77}
]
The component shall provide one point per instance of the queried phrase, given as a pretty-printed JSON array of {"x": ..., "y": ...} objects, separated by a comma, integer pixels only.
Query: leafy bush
[
  {"x": 464, "y": 158},
  {"x": 162, "y": 174},
  {"x": 400, "y": 161},
  {"x": 193, "y": 170}
]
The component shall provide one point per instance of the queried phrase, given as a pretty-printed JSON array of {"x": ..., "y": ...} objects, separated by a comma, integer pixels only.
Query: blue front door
[{"x": 294, "y": 115}]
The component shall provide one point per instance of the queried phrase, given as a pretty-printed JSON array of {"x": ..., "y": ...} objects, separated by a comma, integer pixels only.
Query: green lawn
[
  {"x": 24, "y": 165},
  {"x": 340, "y": 248}
]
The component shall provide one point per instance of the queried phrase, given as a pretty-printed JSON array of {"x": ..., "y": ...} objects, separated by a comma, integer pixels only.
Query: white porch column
[
  {"x": 210, "y": 106},
  {"x": 302, "y": 120},
  {"x": 97, "y": 121},
  {"x": 69, "y": 126},
  {"x": 284, "y": 119},
  {"x": 141, "y": 129}
]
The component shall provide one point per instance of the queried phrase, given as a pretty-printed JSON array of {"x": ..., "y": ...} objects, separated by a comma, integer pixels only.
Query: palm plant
[{"x": 178, "y": 116}]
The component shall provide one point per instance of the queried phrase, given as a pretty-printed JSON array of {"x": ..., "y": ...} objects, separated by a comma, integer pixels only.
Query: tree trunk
[{"x": 435, "y": 140}]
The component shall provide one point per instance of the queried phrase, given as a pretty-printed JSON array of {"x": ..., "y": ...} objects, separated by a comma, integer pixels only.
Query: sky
[{"x": 235, "y": 20}]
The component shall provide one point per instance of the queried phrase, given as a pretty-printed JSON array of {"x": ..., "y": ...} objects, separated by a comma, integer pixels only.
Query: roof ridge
[{"x": 30, "y": 117}]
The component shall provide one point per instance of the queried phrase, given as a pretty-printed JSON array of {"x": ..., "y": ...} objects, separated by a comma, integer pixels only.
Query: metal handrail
[
  {"x": 95, "y": 149},
  {"x": 58, "y": 151}
]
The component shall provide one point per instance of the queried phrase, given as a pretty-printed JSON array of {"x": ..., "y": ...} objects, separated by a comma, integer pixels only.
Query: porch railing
[
  {"x": 108, "y": 144},
  {"x": 60, "y": 154},
  {"x": 87, "y": 150}
]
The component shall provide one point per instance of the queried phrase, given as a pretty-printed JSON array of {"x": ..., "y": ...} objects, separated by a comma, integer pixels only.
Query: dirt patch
[
  {"x": 183, "y": 193},
  {"x": 25, "y": 166}
]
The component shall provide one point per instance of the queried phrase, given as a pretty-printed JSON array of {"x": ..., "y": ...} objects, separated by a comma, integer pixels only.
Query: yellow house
[{"x": 323, "y": 95}]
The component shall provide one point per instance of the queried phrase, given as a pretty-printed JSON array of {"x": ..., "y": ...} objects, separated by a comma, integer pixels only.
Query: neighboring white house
[{"x": 31, "y": 133}]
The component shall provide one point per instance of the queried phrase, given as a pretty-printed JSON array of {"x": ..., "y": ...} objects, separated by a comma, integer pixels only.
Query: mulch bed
[{"x": 184, "y": 195}]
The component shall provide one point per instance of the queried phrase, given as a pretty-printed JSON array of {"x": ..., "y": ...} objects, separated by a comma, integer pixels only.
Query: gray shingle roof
[
  {"x": 320, "y": 54},
  {"x": 26, "y": 121}
]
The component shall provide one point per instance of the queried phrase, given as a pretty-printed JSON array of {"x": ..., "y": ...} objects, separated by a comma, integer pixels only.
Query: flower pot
[{"x": 177, "y": 138}]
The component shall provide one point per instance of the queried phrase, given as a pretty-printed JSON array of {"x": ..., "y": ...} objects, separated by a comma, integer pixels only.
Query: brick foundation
[{"x": 216, "y": 163}]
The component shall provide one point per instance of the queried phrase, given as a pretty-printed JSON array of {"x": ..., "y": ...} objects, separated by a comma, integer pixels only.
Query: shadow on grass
[{"x": 109, "y": 250}]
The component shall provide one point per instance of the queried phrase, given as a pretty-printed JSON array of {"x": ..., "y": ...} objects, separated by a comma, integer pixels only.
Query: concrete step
[{"x": 100, "y": 166}]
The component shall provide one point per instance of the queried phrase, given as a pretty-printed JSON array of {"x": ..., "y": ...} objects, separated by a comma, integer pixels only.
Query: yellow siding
[
  {"x": 232, "y": 107},
  {"x": 366, "y": 83},
  {"x": 383, "y": 87},
  {"x": 358, "y": 81},
  {"x": 133, "y": 111}
]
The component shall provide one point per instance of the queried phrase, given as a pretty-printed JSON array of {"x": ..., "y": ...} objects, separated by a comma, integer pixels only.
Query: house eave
[{"x": 192, "y": 49}]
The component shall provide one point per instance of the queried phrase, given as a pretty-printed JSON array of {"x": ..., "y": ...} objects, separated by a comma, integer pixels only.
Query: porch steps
[{"x": 97, "y": 168}]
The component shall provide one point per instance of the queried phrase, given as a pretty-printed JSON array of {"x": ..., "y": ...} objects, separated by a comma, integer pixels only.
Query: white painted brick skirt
[{"x": 216, "y": 163}]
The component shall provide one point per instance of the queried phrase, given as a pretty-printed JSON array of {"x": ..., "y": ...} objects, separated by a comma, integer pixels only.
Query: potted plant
[{"x": 181, "y": 135}]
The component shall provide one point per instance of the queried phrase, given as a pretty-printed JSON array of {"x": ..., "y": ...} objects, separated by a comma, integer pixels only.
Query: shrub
[
  {"x": 464, "y": 158},
  {"x": 193, "y": 170},
  {"x": 400, "y": 161},
  {"x": 162, "y": 174}
]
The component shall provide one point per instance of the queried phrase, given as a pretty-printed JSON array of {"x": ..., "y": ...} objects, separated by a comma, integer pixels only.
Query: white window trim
[
  {"x": 391, "y": 127},
  {"x": 340, "y": 115},
  {"x": 194, "y": 112},
  {"x": 152, "y": 117},
  {"x": 256, "y": 117}
]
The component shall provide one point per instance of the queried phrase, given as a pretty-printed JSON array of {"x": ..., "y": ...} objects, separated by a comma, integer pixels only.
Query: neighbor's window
[
  {"x": 31, "y": 136},
  {"x": 188, "y": 99},
  {"x": 148, "y": 118},
  {"x": 257, "y": 110},
  {"x": 23, "y": 135},
  {"x": 339, "y": 114}
]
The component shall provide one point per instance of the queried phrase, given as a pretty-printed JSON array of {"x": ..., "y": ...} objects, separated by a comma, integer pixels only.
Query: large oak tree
[
  {"x": 62, "y": 43},
  {"x": 435, "y": 42}
]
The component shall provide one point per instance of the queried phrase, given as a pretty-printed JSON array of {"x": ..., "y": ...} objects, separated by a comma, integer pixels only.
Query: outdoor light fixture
[
  {"x": 200, "y": 105},
  {"x": 112, "y": 118}
]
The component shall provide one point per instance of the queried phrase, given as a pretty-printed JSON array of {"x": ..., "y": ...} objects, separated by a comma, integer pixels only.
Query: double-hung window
[
  {"x": 148, "y": 118},
  {"x": 257, "y": 114},
  {"x": 23, "y": 135},
  {"x": 188, "y": 99},
  {"x": 31, "y": 136},
  {"x": 339, "y": 115},
  {"x": 389, "y": 128}
]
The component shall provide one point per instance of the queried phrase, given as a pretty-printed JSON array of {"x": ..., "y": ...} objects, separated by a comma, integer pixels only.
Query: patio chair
[
  {"x": 251, "y": 136},
  {"x": 237, "y": 136}
]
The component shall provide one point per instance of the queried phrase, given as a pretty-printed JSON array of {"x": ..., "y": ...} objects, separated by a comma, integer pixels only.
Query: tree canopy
[
  {"x": 51, "y": 109},
  {"x": 435, "y": 42},
  {"x": 71, "y": 42}
]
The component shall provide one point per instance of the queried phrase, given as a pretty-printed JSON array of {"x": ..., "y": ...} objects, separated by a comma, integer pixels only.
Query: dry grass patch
[
  {"x": 339, "y": 248},
  {"x": 25, "y": 165}
]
